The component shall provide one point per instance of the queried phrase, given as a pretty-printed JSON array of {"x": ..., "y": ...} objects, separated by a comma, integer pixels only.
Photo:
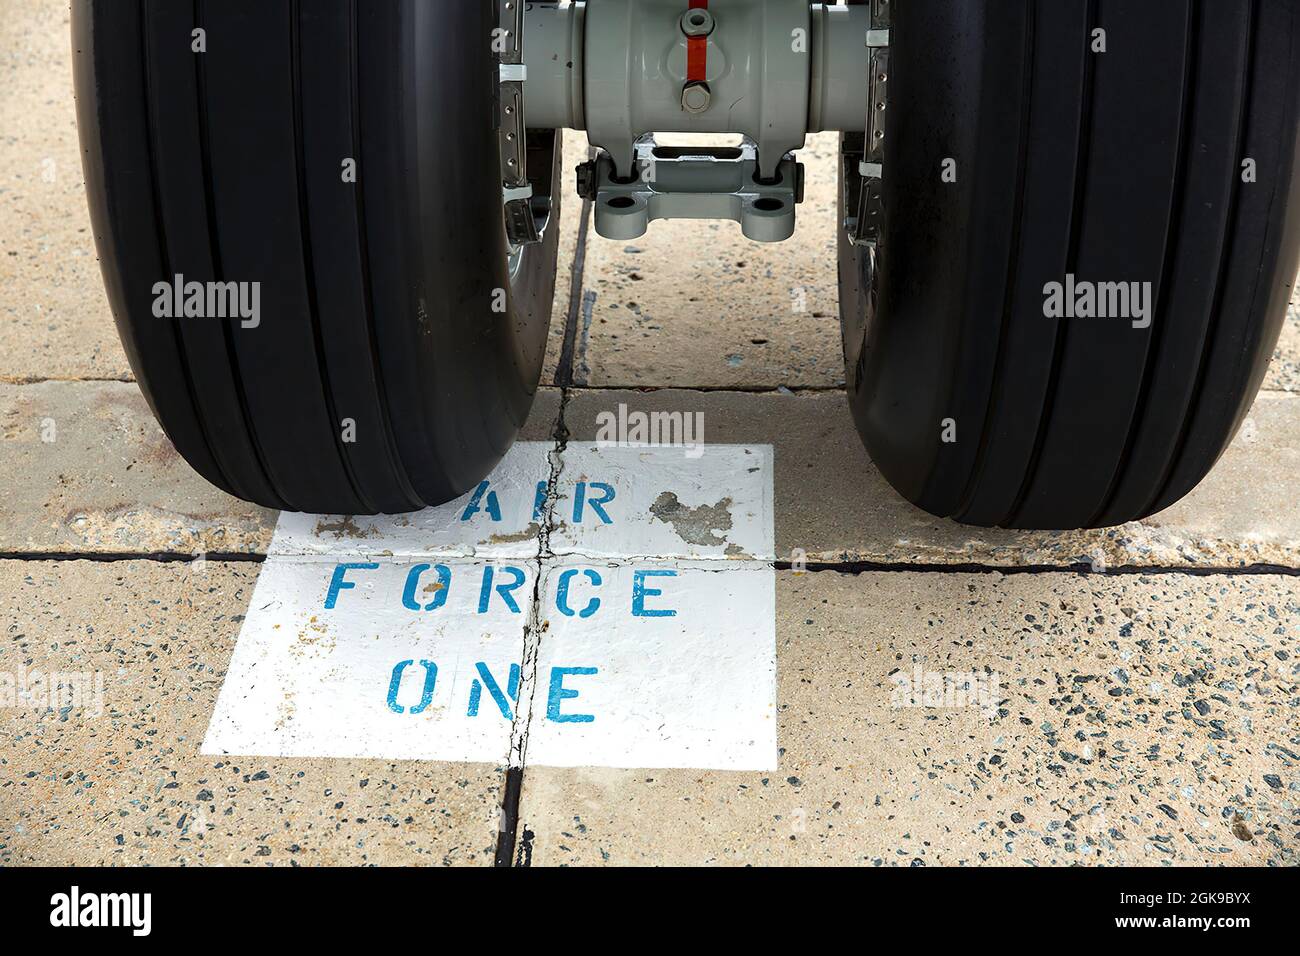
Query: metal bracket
[
  {"x": 521, "y": 227},
  {"x": 676, "y": 182},
  {"x": 864, "y": 228}
]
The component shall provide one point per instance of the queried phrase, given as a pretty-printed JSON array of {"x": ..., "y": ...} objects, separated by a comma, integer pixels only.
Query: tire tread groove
[
  {"x": 151, "y": 151},
  {"x": 201, "y": 86},
  {"x": 1013, "y": 261},
  {"x": 334, "y": 423},
  {"x": 1076, "y": 232},
  {"x": 400, "y": 471},
  {"x": 1220, "y": 281},
  {"x": 1164, "y": 295}
]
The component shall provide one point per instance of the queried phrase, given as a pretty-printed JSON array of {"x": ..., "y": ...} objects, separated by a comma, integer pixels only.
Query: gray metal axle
[{"x": 772, "y": 71}]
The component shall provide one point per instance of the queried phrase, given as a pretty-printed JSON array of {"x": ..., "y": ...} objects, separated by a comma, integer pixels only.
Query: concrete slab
[
  {"x": 832, "y": 504},
  {"x": 54, "y": 317},
  {"x": 1137, "y": 720},
  {"x": 84, "y": 467},
  {"x": 120, "y": 780},
  {"x": 695, "y": 304},
  {"x": 110, "y": 482},
  {"x": 1145, "y": 719}
]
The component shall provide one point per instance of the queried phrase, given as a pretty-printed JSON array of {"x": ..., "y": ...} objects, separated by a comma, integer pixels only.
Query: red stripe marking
[{"x": 697, "y": 51}]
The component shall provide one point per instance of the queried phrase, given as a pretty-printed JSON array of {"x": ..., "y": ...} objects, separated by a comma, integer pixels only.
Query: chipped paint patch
[
  {"x": 700, "y": 525},
  {"x": 581, "y": 607},
  {"x": 343, "y": 527}
]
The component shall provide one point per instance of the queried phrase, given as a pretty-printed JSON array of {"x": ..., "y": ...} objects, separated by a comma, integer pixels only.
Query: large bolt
[
  {"x": 696, "y": 97},
  {"x": 697, "y": 22}
]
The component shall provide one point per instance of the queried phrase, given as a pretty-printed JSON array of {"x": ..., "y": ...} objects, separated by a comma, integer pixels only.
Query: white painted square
[
  {"x": 694, "y": 689},
  {"x": 396, "y": 637},
  {"x": 310, "y": 681}
]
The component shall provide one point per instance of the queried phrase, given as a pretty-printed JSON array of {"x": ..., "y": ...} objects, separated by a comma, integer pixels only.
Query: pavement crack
[
  {"x": 535, "y": 627},
  {"x": 905, "y": 567},
  {"x": 534, "y": 632},
  {"x": 702, "y": 561},
  {"x": 159, "y": 557}
]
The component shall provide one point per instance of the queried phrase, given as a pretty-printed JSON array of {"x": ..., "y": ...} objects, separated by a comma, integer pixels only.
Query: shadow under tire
[
  {"x": 1169, "y": 159},
  {"x": 395, "y": 353}
]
